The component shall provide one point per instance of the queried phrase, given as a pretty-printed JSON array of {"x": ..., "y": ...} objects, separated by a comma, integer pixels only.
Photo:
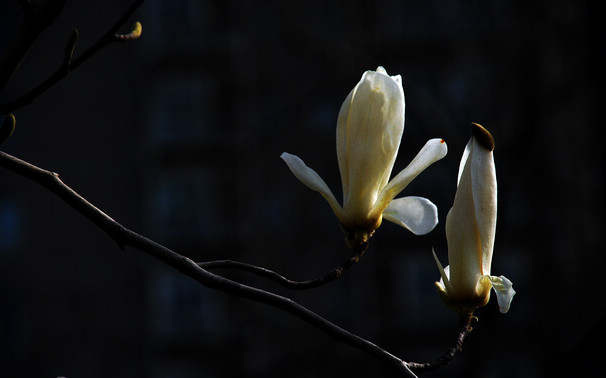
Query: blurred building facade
[{"x": 178, "y": 136}]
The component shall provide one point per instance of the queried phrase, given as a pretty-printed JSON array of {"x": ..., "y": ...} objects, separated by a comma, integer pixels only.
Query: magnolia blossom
[
  {"x": 470, "y": 232},
  {"x": 369, "y": 131}
]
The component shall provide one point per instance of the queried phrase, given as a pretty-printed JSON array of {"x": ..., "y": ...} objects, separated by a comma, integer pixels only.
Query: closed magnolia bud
[{"x": 470, "y": 232}]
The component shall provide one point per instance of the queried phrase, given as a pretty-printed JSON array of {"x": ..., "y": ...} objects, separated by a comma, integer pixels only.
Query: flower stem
[
  {"x": 283, "y": 281},
  {"x": 465, "y": 328}
]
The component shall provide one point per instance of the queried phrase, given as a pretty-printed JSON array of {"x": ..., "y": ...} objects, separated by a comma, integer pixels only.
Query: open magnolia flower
[
  {"x": 470, "y": 232},
  {"x": 369, "y": 131}
]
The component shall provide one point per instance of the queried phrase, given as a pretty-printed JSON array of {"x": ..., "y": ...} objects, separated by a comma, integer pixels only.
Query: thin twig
[
  {"x": 69, "y": 65},
  {"x": 109, "y": 37},
  {"x": 134, "y": 34},
  {"x": 36, "y": 18},
  {"x": 465, "y": 322},
  {"x": 283, "y": 281},
  {"x": 125, "y": 237}
]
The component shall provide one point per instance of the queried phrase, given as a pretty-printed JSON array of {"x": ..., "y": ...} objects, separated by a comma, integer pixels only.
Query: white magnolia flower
[
  {"x": 369, "y": 131},
  {"x": 470, "y": 232}
]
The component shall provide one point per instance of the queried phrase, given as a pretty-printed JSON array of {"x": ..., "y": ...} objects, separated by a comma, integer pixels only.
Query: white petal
[
  {"x": 382, "y": 70},
  {"x": 417, "y": 214},
  {"x": 444, "y": 274},
  {"x": 369, "y": 130},
  {"x": 462, "y": 234},
  {"x": 503, "y": 288},
  {"x": 464, "y": 159},
  {"x": 312, "y": 180},
  {"x": 434, "y": 150},
  {"x": 484, "y": 190}
]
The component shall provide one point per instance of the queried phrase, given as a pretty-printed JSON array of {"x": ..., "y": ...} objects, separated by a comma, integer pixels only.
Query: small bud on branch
[
  {"x": 70, "y": 45},
  {"x": 134, "y": 34}
]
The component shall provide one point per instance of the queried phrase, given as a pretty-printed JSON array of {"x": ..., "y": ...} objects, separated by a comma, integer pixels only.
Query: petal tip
[{"x": 483, "y": 136}]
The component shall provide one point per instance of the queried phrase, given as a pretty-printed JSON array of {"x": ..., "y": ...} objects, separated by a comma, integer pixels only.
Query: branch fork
[{"x": 37, "y": 17}]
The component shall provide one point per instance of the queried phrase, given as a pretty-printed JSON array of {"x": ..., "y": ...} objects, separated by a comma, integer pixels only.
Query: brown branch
[
  {"x": 465, "y": 322},
  {"x": 134, "y": 34},
  {"x": 109, "y": 37},
  {"x": 36, "y": 18},
  {"x": 125, "y": 237},
  {"x": 283, "y": 281},
  {"x": 68, "y": 64}
]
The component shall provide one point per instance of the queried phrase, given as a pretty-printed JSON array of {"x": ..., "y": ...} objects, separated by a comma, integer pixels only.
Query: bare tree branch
[
  {"x": 30, "y": 30},
  {"x": 283, "y": 281},
  {"x": 109, "y": 37},
  {"x": 465, "y": 322},
  {"x": 36, "y": 18},
  {"x": 125, "y": 237}
]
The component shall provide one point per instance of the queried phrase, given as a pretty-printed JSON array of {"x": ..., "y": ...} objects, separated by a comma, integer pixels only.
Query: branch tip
[
  {"x": 483, "y": 136},
  {"x": 134, "y": 34}
]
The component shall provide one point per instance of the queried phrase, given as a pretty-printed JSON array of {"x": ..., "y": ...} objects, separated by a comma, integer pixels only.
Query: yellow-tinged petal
[
  {"x": 463, "y": 238},
  {"x": 471, "y": 223},
  {"x": 369, "y": 131},
  {"x": 470, "y": 230},
  {"x": 484, "y": 189},
  {"x": 432, "y": 151}
]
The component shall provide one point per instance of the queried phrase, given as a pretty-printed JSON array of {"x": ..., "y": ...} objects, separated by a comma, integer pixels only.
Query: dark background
[{"x": 178, "y": 136}]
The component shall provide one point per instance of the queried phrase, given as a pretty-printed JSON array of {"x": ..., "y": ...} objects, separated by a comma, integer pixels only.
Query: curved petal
[
  {"x": 369, "y": 130},
  {"x": 484, "y": 191},
  {"x": 464, "y": 158},
  {"x": 444, "y": 274},
  {"x": 312, "y": 180},
  {"x": 434, "y": 150},
  {"x": 463, "y": 238},
  {"x": 503, "y": 288},
  {"x": 417, "y": 214}
]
